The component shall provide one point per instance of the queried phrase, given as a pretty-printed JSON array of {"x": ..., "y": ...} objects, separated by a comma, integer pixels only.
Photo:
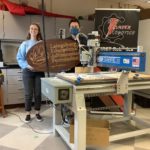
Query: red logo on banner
[{"x": 112, "y": 25}]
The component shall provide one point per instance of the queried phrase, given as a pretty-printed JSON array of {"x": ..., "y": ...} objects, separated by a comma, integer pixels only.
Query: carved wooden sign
[{"x": 62, "y": 55}]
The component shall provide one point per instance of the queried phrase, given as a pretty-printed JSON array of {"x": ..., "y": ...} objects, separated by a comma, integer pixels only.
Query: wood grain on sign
[{"x": 62, "y": 55}]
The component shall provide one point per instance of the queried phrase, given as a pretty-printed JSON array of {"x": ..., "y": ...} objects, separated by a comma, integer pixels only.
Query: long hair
[{"x": 39, "y": 35}]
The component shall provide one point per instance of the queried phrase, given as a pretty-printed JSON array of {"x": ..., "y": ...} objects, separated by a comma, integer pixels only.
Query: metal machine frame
[{"x": 79, "y": 109}]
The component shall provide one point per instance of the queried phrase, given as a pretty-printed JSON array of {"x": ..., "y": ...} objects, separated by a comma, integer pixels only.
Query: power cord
[{"x": 34, "y": 130}]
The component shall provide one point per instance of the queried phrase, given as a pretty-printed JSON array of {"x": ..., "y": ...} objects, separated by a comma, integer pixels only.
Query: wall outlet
[{"x": 62, "y": 33}]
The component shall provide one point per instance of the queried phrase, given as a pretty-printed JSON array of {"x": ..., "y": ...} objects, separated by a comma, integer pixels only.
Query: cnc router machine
[{"x": 72, "y": 88}]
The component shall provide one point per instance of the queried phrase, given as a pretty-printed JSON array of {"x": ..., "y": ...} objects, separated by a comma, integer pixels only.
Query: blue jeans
[{"x": 32, "y": 87}]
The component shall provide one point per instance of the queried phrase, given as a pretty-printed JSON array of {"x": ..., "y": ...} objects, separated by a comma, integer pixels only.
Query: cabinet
[
  {"x": 16, "y": 27},
  {"x": 19, "y": 26},
  {"x": 13, "y": 89},
  {"x": 1, "y": 25},
  {"x": 13, "y": 86},
  {"x": 143, "y": 40}
]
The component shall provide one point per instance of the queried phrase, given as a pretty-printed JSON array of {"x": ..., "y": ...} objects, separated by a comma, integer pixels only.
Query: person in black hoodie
[
  {"x": 81, "y": 39},
  {"x": 76, "y": 35}
]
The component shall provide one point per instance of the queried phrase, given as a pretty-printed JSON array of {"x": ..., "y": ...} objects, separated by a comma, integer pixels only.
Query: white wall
[
  {"x": 144, "y": 40},
  {"x": 72, "y": 7},
  {"x": 20, "y": 25}
]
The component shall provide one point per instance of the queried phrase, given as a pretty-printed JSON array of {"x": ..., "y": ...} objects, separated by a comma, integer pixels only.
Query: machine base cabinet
[{"x": 85, "y": 131}]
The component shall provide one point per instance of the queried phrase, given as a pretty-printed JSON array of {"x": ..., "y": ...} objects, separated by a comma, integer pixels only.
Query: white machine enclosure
[{"x": 57, "y": 90}]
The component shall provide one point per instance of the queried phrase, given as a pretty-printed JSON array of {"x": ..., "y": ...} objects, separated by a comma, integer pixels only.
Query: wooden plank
[
  {"x": 85, "y": 77},
  {"x": 84, "y": 69},
  {"x": 1, "y": 103},
  {"x": 99, "y": 77},
  {"x": 109, "y": 102}
]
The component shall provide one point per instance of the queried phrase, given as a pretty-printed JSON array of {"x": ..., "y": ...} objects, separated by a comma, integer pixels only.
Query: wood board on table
[{"x": 100, "y": 77}]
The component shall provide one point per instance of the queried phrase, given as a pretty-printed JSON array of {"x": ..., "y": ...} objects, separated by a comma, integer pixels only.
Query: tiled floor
[{"x": 16, "y": 135}]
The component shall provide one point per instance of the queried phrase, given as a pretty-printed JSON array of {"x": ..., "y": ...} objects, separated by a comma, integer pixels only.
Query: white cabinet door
[
  {"x": 15, "y": 98},
  {"x": 16, "y": 27},
  {"x": 13, "y": 86},
  {"x": 15, "y": 90},
  {"x": 16, "y": 72},
  {"x": 14, "y": 80},
  {"x": 1, "y": 25},
  {"x": 18, "y": 88},
  {"x": 143, "y": 40}
]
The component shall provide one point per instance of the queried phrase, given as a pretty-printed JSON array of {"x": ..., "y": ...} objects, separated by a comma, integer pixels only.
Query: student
[
  {"x": 76, "y": 35},
  {"x": 80, "y": 38},
  {"x": 31, "y": 78},
  {"x": 74, "y": 28}
]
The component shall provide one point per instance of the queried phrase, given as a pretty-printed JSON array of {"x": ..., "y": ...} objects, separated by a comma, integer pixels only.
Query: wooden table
[{"x": 2, "y": 110}]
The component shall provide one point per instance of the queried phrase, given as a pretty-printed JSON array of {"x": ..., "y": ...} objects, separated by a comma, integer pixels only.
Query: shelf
[
  {"x": 64, "y": 134},
  {"x": 11, "y": 40}
]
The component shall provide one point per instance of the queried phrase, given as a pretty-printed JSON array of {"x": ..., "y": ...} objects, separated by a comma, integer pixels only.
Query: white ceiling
[
  {"x": 141, "y": 3},
  {"x": 123, "y": 3}
]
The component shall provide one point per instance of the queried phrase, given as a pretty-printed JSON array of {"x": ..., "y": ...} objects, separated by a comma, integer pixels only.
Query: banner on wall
[{"x": 118, "y": 28}]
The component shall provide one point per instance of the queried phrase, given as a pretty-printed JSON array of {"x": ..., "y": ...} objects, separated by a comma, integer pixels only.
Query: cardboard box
[{"x": 97, "y": 133}]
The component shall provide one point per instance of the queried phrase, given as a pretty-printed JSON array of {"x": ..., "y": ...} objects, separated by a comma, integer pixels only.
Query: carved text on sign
[{"x": 62, "y": 55}]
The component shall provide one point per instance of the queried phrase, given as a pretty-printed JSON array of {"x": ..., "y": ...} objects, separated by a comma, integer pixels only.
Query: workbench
[
  {"x": 2, "y": 110},
  {"x": 97, "y": 84}
]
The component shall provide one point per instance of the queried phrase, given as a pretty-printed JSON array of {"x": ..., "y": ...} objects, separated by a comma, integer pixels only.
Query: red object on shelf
[
  {"x": 118, "y": 100},
  {"x": 97, "y": 69},
  {"x": 14, "y": 8}
]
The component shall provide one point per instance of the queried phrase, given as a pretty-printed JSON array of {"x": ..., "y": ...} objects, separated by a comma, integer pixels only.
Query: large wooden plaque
[{"x": 62, "y": 55}]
